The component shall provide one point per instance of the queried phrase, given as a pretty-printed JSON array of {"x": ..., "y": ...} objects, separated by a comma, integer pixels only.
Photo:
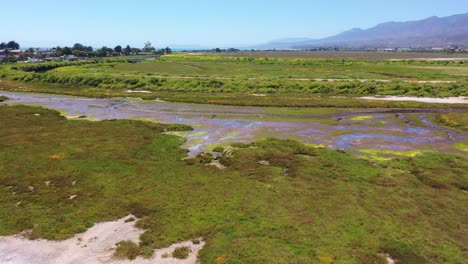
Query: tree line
[
  {"x": 11, "y": 45},
  {"x": 81, "y": 51}
]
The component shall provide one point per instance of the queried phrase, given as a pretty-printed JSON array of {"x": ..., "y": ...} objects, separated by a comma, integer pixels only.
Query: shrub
[
  {"x": 181, "y": 253},
  {"x": 218, "y": 149},
  {"x": 127, "y": 249}
]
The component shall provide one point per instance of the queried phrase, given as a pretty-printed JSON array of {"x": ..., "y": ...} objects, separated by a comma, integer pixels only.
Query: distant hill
[
  {"x": 284, "y": 43},
  {"x": 429, "y": 32}
]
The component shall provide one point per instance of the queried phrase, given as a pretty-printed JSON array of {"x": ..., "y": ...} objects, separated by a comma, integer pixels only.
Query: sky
[{"x": 201, "y": 23}]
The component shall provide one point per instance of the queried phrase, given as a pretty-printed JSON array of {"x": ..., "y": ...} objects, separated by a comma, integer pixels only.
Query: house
[
  {"x": 34, "y": 60},
  {"x": 388, "y": 50},
  {"x": 72, "y": 58},
  {"x": 47, "y": 52},
  {"x": 16, "y": 52}
]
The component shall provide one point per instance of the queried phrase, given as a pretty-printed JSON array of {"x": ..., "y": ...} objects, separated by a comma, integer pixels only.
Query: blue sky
[{"x": 203, "y": 23}]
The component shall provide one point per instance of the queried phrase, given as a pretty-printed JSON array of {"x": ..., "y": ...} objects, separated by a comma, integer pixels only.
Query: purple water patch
[
  {"x": 416, "y": 130},
  {"x": 225, "y": 125},
  {"x": 344, "y": 142}
]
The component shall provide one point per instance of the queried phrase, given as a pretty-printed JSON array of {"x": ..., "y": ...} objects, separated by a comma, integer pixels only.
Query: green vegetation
[
  {"x": 221, "y": 79},
  {"x": 127, "y": 249},
  {"x": 181, "y": 253},
  {"x": 453, "y": 120},
  {"x": 238, "y": 99},
  {"x": 462, "y": 145},
  {"x": 310, "y": 205},
  {"x": 218, "y": 149},
  {"x": 361, "y": 118},
  {"x": 43, "y": 67}
]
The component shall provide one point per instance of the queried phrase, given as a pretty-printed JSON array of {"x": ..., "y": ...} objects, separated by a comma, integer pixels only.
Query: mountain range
[{"x": 426, "y": 33}]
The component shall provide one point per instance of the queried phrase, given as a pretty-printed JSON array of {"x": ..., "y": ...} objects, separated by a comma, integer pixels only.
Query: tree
[
  {"x": 127, "y": 50},
  {"x": 108, "y": 50},
  {"x": 118, "y": 49},
  {"x": 148, "y": 47},
  {"x": 79, "y": 53},
  {"x": 30, "y": 52},
  {"x": 66, "y": 51},
  {"x": 167, "y": 50},
  {"x": 58, "y": 51},
  {"x": 104, "y": 52},
  {"x": 12, "y": 45},
  {"x": 3, "y": 45},
  {"x": 78, "y": 46},
  {"x": 101, "y": 53}
]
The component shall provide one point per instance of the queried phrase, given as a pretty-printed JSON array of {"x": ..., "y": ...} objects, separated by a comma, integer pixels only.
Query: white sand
[
  {"x": 95, "y": 246},
  {"x": 135, "y": 91},
  {"x": 448, "y": 100}
]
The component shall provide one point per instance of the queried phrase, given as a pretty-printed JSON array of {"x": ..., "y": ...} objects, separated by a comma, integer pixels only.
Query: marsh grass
[
  {"x": 330, "y": 206},
  {"x": 181, "y": 253},
  {"x": 457, "y": 121},
  {"x": 127, "y": 249},
  {"x": 217, "y": 78}
]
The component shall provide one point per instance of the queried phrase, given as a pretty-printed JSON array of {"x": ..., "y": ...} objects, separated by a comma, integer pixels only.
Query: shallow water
[{"x": 223, "y": 125}]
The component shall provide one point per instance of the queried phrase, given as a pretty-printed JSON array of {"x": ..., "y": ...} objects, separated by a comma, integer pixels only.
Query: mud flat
[
  {"x": 347, "y": 129},
  {"x": 95, "y": 246},
  {"x": 448, "y": 100}
]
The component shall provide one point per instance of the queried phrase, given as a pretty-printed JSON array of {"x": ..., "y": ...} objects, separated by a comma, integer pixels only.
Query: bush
[
  {"x": 218, "y": 149},
  {"x": 181, "y": 253},
  {"x": 127, "y": 249}
]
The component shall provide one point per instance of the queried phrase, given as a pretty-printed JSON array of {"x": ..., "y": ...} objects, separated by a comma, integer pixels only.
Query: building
[
  {"x": 47, "y": 52},
  {"x": 16, "y": 52},
  {"x": 34, "y": 60}
]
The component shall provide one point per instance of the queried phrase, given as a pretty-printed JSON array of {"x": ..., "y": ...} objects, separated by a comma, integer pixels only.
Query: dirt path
[
  {"x": 95, "y": 246},
  {"x": 449, "y": 100}
]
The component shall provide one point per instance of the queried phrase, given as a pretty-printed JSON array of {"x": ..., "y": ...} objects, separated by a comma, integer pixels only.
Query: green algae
[
  {"x": 385, "y": 154},
  {"x": 361, "y": 118},
  {"x": 462, "y": 146}
]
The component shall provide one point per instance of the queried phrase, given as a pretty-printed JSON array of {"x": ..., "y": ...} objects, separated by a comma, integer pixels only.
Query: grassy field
[
  {"x": 457, "y": 121},
  {"x": 310, "y": 205},
  {"x": 277, "y": 68},
  {"x": 218, "y": 98},
  {"x": 206, "y": 76}
]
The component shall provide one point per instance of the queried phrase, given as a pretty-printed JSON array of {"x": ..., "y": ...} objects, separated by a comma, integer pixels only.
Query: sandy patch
[
  {"x": 57, "y": 156},
  {"x": 217, "y": 164},
  {"x": 264, "y": 162},
  {"x": 433, "y": 59},
  {"x": 448, "y": 100},
  {"x": 135, "y": 91},
  {"x": 95, "y": 246},
  {"x": 390, "y": 260}
]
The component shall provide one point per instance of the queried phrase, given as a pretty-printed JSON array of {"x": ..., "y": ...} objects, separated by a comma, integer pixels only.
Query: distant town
[{"x": 12, "y": 52}]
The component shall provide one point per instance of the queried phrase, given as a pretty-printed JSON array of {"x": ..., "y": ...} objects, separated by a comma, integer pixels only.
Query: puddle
[{"x": 223, "y": 125}]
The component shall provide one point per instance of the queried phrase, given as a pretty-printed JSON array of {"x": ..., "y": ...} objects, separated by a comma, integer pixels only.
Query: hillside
[{"x": 429, "y": 32}]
